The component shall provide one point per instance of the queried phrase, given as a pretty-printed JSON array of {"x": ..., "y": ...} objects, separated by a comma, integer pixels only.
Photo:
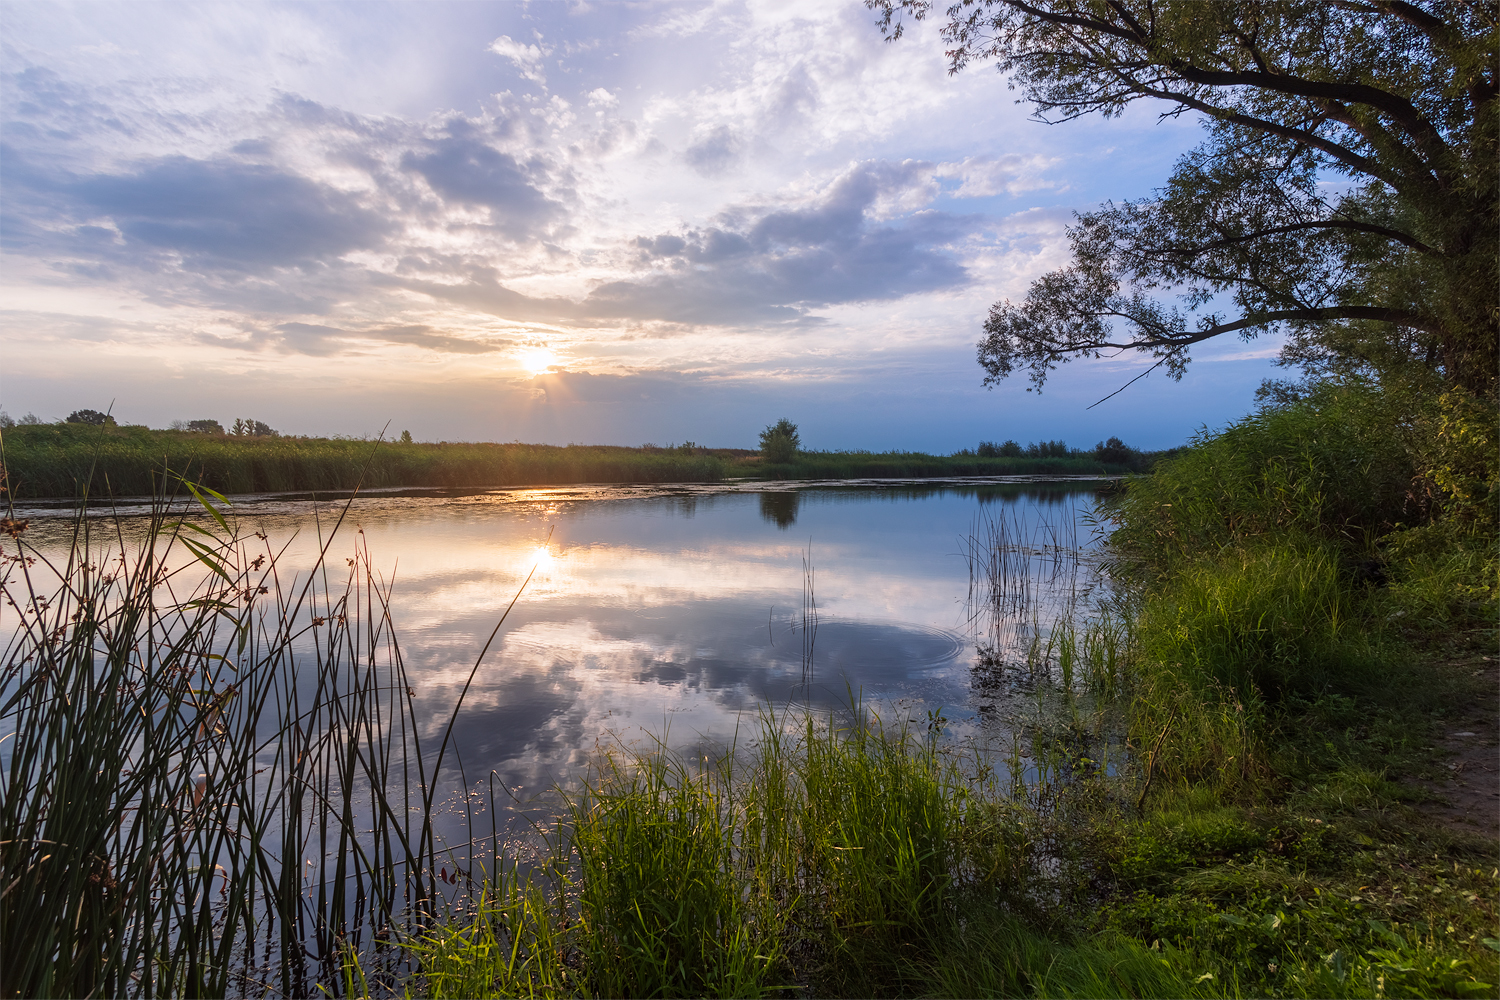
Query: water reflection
[
  {"x": 664, "y": 610},
  {"x": 779, "y": 507}
]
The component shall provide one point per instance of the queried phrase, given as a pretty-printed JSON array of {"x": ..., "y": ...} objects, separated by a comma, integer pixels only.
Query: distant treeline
[
  {"x": 1113, "y": 452},
  {"x": 57, "y": 460}
]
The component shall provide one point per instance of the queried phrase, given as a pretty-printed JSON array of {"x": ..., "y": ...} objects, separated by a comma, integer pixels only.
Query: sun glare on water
[{"x": 541, "y": 558}]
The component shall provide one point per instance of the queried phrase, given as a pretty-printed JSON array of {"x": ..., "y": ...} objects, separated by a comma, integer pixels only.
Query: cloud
[
  {"x": 782, "y": 263},
  {"x": 714, "y": 151},
  {"x": 1013, "y": 174},
  {"x": 527, "y": 58},
  {"x": 464, "y": 170},
  {"x": 601, "y": 98},
  {"x": 314, "y": 339},
  {"x": 206, "y": 214}
]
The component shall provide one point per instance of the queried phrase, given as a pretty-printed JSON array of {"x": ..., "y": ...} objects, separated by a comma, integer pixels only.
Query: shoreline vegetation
[
  {"x": 54, "y": 460},
  {"x": 1222, "y": 790}
]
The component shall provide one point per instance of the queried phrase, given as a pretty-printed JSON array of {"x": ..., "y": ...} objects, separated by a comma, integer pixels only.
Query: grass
[
  {"x": 1258, "y": 838},
  {"x": 212, "y": 778},
  {"x": 60, "y": 460}
]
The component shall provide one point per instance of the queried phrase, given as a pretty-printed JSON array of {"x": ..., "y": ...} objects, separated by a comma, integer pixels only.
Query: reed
[
  {"x": 65, "y": 460},
  {"x": 828, "y": 854},
  {"x": 68, "y": 460},
  {"x": 212, "y": 780}
]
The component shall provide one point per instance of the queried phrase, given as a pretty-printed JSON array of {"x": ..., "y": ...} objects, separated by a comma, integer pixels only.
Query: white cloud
[
  {"x": 1013, "y": 174},
  {"x": 527, "y": 58}
]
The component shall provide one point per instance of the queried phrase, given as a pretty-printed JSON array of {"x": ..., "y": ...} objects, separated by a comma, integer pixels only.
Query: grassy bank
[
  {"x": 1313, "y": 602},
  {"x": 1311, "y": 597},
  {"x": 52, "y": 460}
]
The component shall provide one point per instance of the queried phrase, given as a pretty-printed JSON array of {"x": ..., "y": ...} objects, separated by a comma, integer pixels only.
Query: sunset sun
[{"x": 536, "y": 359}]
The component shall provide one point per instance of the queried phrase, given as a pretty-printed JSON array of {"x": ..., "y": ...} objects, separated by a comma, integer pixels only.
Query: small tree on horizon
[
  {"x": 92, "y": 417},
  {"x": 779, "y": 442}
]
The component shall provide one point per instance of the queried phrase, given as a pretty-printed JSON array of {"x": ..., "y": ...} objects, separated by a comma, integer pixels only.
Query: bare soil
[{"x": 1467, "y": 798}]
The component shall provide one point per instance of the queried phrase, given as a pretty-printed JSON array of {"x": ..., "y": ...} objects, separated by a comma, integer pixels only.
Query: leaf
[
  {"x": 206, "y": 557},
  {"x": 1490, "y": 943},
  {"x": 198, "y": 492}
]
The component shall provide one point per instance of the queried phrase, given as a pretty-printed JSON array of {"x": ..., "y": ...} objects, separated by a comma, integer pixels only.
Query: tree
[
  {"x": 779, "y": 441},
  {"x": 92, "y": 417},
  {"x": 1346, "y": 193}
]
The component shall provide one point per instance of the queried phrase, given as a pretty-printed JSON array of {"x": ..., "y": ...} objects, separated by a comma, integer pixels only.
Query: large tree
[{"x": 1345, "y": 193}]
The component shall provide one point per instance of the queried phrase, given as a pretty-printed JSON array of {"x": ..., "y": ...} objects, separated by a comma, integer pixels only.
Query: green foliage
[
  {"x": 663, "y": 909},
  {"x": 58, "y": 460},
  {"x": 91, "y": 417},
  {"x": 779, "y": 442},
  {"x": 246, "y": 427},
  {"x": 1337, "y": 465},
  {"x": 1397, "y": 101},
  {"x": 180, "y": 788}
]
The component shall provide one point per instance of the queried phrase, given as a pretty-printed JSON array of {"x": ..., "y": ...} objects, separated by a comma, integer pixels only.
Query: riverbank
[
  {"x": 1303, "y": 641},
  {"x": 1232, "y": 782},
  {"x": 57, "y": 460}
]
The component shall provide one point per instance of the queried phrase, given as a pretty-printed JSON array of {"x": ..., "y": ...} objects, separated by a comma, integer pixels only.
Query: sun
[{"x": 537, "y": 359}]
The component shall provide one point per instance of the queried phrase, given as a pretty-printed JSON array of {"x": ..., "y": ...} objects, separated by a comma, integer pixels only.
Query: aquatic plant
[{"x": 212, "y": 777}]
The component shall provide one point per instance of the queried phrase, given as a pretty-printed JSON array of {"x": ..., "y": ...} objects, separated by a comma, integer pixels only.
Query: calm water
[{"x": 679, "y": 612}]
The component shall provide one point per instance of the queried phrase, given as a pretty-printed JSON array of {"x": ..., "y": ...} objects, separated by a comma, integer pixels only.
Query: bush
[
  {"x": 1339, "y": 465},
  {"x": 92, "y": 417},
  {"x": 779, "y": 442},
  {"x": 1047, "y": 449},
  {"x": 1115, "y": 452}
]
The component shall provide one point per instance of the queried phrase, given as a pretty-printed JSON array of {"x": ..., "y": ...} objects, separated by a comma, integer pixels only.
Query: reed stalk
[{"x": 213, "y": 780}]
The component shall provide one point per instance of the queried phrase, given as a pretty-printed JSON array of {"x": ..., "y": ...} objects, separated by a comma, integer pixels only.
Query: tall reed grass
[
  {"x": 61, "y": 460},
  {"x": 213, "y": 778},
  {"x": 832, "y": 855}
]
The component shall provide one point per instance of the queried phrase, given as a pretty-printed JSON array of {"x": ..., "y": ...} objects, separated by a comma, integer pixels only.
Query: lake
[{"x": 680, "y": 612}]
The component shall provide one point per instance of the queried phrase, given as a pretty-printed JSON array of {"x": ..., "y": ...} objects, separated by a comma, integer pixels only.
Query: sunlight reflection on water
[{"x": 676, "y": 609}]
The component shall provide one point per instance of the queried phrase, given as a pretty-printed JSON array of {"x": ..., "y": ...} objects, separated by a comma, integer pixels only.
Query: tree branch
[
  {"x": 1400, "y": 317},
  {"x": 1361, "y": 227}
]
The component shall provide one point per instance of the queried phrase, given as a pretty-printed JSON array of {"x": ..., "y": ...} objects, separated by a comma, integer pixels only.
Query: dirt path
[{"x": 1469, "y": 797}]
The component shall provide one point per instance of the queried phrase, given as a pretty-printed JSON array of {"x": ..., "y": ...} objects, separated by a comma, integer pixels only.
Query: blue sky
[{"x": 555, "y": 222}]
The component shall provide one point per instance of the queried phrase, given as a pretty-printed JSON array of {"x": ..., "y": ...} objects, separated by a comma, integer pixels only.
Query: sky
[{"x": 603, "y": 223}]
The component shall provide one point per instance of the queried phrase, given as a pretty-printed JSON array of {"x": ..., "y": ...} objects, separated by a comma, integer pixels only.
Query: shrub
[
  {"x": 92, "y": 417},
  {"x": 1115, "y": 452},
  {"x": 779, "y": 442},
  {"x": 1338, "y": 465}
]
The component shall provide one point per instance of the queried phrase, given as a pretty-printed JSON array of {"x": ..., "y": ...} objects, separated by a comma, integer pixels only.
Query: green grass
[
  {"x": 53, "y": 460},
  {"x": 212, "y": 781},
  {"x": 58, "y": 460},
  {"x": 1259, "y": 839}
]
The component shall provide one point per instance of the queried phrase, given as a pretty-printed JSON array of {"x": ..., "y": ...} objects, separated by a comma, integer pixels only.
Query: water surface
[{"x": 678, "y": 612}]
